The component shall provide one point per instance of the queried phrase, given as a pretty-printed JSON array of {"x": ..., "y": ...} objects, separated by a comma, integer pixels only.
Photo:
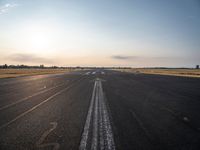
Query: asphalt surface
[{"x": 100, "y": 109}]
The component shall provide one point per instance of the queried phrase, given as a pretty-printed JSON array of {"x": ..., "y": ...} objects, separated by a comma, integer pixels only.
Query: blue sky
[{"x": 137, "y": 33}]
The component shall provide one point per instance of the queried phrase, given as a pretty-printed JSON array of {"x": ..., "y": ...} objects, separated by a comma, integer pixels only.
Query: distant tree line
[
  {"x": 5, "y": 66},
  {"x": 22, "y": 66},
  {"x": 196, "y": 67}
]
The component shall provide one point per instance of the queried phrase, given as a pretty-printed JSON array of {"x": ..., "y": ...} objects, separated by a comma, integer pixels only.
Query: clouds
[
  {"x": 29, "y": 58},
  {"x": 154, "y": 61},
  {"x": 6, "y": 7},
  {"x": 123, "y": 57},
  {"x": 131, "y": 57}
]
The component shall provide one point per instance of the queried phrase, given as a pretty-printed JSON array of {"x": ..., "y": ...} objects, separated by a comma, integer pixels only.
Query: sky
[{"x": 132, "y": 33}]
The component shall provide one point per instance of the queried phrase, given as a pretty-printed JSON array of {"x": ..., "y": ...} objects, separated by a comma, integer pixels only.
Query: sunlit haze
[{"x": 135, "y": 33}]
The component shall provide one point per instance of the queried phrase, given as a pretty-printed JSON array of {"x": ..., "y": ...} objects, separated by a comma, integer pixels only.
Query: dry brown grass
[
  {"x": 9, "y": 73},
  {"x": 173, "y": 72}
]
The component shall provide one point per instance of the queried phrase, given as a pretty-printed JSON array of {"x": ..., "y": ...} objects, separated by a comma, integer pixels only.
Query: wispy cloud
[
  {"x": 155, "y": 61},
  {"x": 6, "y": 7},
  {"x": 28, "y": 58},
  {"x": 123, "y": 57}
]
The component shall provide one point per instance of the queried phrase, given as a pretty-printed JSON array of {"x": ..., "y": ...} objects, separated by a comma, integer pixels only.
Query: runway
[{"x": 100, "y": 109}]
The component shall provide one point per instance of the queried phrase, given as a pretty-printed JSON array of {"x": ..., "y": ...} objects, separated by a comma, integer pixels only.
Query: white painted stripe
[
  {"x": 102, "y": 136},
  {"x": 101, "y": 124},
  {"x": 84, "y": 138},
  {"x": 94, "y": 145},
  {"x": 94, "y": 72},
  {"x": 109, "y": 135}
]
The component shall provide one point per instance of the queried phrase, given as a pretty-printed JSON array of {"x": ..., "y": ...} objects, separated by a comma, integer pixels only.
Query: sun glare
[{"x": 38, "y": 39}]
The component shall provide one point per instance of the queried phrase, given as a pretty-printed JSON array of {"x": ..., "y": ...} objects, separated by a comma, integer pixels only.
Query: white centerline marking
[
  {"x": 95, "y": 122},
  {"x": 100, "y": 128},
  {"x": 102, "y": 140},
  {"x": 107, "y": 126},
  {"x": 84, "y": 139}
]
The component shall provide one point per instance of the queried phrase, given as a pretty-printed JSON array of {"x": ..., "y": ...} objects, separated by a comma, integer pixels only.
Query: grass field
[
  {"x": 9, "y": 73},
  {"x": 174, "y": 72}
]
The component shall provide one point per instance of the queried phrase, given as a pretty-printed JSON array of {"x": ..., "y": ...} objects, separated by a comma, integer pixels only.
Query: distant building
[{"x": 197, "y": 66}]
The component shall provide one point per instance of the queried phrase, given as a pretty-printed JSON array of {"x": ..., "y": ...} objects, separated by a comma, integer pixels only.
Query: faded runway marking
[
  {"x": 40, "y": 143},
  {"x": 141, "y": 125},
  {"x": 28, "y": 97},
  {"x": 100, "y": 129},
  {"x": 38, "y": 105},
  {"x": 102, "y": 72},
  {"x": 87, "y": 73},
  {"x": 30, "y": 110}
]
